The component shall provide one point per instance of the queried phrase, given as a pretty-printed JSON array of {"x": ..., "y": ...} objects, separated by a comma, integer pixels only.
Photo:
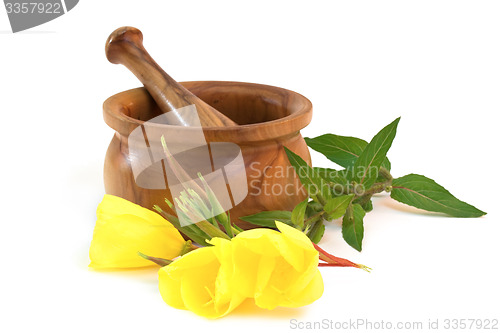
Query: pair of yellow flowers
[{"x": 273, "y": 268}]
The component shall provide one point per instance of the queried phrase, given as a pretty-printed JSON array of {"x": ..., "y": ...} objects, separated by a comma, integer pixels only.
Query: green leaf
[
  {"x": 424, "y": 193},
  {"x": 336, "y": 207},
  {"x": 332, "y": 176},
  {"x": 343, "y": 150},
  {"x": 313, "y": 183},
  {"x": 317, "y": 232},
  {"x": 298, "y": 214},
  {"x": 366, "y": 167},
  {"x": 267, "y": 218},
  {"x": 337, "y": 180},
  {"x": 352, "y": 226},
  {"x": 368, "y": 206}
]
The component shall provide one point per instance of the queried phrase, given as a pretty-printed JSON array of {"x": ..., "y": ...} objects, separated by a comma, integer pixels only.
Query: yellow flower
[
  {"x": 199, "y": 281},
  {"x": 274, "y": 268},
  {"x": 123, "y": 229}
]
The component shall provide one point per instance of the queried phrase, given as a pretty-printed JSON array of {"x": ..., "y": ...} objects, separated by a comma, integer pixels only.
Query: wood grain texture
[
  {"x": 124, "y": 46},
  {"x": 271, "y": 118}
]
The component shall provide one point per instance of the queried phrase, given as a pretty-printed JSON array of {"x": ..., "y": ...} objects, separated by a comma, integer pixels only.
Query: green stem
[
  {"x": 315, "y": 226},
  {"x": 364, "y": 199},
  {"x": 235, "y": 231},
  {"x": 313, "y": 218},
  {"x": 211, "y": 230},
  {"x": 385, "y": 173},
  {"x": 321, "y": 200},
  {"x": 226, "y": 223},
  {"x": 377, "y": 188}
]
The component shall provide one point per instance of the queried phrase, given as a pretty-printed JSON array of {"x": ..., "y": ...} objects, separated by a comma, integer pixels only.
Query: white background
[{"x": 361, "y": 63}]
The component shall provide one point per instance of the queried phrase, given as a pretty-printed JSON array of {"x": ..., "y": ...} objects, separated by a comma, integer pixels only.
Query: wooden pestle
[{"x": 124, "y": 46}]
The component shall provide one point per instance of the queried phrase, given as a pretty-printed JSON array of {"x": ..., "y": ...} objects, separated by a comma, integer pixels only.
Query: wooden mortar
[{"x": 269, "y": 118}]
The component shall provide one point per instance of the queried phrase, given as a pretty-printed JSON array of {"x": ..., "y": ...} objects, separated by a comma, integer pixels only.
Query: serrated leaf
[
  {"x": 331, "y": 175},
  {"x": 312, "y": 182},
  {"x": 343, "y": 150},
  {"x": 298, "y": 214},
  {"x": 424, "y": 193},
  {"x": 336, "y": 207},
  {"x": 268, "y": 218},
  {"x": 317, "y": 232},
  {"x": 352, "y": 226},
  {"x": 366, "y": 167}
]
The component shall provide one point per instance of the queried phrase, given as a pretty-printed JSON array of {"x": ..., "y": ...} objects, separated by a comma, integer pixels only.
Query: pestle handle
[{"x": 124, "y": 46}]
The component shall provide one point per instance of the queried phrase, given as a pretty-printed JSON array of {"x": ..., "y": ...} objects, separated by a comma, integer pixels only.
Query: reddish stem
[{"x": 333, "y": 261}]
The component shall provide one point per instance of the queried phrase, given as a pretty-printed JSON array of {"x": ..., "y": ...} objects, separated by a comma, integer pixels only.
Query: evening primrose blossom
[
  {"x": 123, "y": 229},
  {"x": 200, "y": 281},
  {"x": 275, "y": 268}
]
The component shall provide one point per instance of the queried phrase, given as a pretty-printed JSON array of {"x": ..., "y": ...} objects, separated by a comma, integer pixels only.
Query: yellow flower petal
[
  {"x": 313, "y": 290},
  {"x": 122, "y": 229},
  {"x": 170, "y": 289},
  {"x": 297, "y": 237},
  {"x": 112, "y": 205},
  {"x": 269, "y": 240},
  {"x": 276, "y": 268},
  {"x": 195, "y": 282},
  {"x": 276, "y": 291},
  {"x": 222, "y": 250},
  {"x": 246, "y": 266}
]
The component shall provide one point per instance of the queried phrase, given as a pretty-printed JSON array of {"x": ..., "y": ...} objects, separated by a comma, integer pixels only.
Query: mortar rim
[{"x": 114, "y": 116}]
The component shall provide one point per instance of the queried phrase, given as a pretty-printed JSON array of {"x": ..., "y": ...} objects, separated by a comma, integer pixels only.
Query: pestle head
[{"x": 119, "y": 39}]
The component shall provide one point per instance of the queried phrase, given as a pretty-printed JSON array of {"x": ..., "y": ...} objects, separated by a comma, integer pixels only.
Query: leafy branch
[{"x": 347, "y": 192}]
